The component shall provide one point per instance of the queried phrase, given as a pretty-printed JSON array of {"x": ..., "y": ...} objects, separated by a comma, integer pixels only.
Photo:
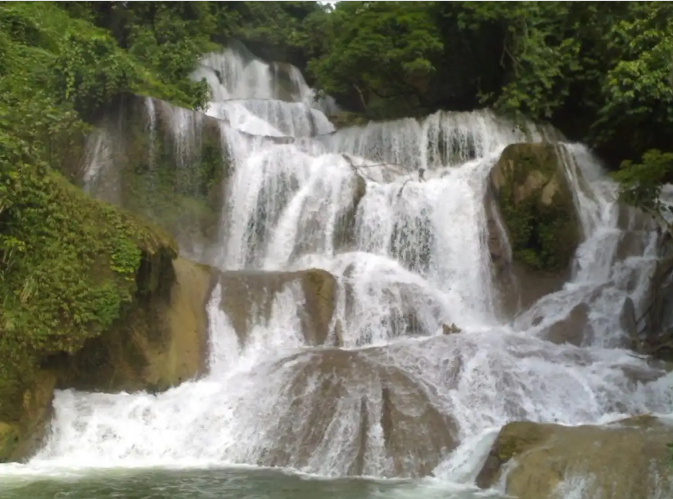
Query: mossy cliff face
[
  {"x": 622, "y": 460},
  {"x": 161, "y": 162},
  {"x": 536, "y": 204},
  {"x": 73, "y": 270}
]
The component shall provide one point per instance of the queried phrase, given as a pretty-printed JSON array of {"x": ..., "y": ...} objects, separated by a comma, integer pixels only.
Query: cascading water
[{"x": 413, "y": 257}]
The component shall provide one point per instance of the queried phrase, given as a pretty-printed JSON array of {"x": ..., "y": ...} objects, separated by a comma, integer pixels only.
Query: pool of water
[{"x": 233, "y": 483}]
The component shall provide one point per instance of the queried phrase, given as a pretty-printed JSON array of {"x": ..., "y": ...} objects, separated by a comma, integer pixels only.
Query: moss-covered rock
[
  {"x": 622, "y": 460},
  {"x": 537, "y": 206},
  {"x": 250, "y": 295},
  {"x": 9, "y": 438}
]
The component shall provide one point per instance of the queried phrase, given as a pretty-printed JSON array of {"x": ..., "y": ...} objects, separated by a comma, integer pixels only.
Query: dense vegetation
[{"x": 601, "y": 72}]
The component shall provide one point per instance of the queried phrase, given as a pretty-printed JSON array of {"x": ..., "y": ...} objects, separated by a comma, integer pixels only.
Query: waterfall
[{"x": 395, "y": 212}]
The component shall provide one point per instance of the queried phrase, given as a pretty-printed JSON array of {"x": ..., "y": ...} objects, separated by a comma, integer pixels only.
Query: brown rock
[
  {"x": 9, "y": 438},
  {"x": 161, "y": 341},
  {"x": 249, "y": 295},
  {"x": 626, "y": 459},
  {"x": 329, "y": 384},
  {"x": 571, "y": 329},
  {"x": 20, "y": 440}
]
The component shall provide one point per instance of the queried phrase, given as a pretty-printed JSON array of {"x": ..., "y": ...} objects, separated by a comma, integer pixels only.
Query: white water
[{"x": 416, "y": 258}]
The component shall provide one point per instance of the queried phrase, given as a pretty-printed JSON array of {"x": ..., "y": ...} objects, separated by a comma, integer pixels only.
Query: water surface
[{"x": 221, "y": 483}]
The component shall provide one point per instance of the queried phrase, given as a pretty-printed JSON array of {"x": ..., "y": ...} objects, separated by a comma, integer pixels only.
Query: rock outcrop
[
  {"x": 622, "y": 460},
  {"x": 162, "y": 162},
  {"x": 161, "y": 340},
  {"x": 249, "y": 295},
  {"x": 530, "y": 209},
  {"x": 357, "y": 395}
]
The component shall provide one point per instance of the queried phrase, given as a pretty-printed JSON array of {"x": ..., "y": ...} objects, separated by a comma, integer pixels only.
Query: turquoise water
[{"x": 216, "y": 484}]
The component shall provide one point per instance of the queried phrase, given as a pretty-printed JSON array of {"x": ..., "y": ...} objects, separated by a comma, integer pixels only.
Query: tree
[{"x": 381, "y": 50}]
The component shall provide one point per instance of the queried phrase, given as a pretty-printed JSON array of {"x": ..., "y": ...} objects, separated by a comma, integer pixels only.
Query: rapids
[{"x": 415, "y": 258}]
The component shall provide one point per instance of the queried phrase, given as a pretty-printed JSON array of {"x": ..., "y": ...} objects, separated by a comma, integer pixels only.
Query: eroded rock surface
[{"x": 372, "y": 409}]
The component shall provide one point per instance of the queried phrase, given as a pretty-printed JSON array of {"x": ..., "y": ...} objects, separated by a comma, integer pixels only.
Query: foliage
[
  {"x": 68, "y": 265},
  {"x": 90, "y": 71},
  {"x": 641, "y": 183},
  {"x": 379, "y": 49}
]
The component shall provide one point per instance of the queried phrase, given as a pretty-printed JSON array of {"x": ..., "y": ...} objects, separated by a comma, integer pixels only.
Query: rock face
[
  {"x": 21, "y": 439},
  {"x": 530, "y": 209},
  {"x": 90, "y": 264},
  {"x": 622, "y": 460},
  {"x": 377, "y": 410},
  {"x": 161, "y": 162},
  {"x": 250, "y": 294},
  {"x": 160, "y": 342}
]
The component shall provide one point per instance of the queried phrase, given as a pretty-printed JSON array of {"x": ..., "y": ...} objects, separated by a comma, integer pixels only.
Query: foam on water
[{"x": 409, "y": 253}]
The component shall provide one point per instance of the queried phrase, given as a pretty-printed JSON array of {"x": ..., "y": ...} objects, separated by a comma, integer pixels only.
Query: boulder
[
  {"x": 572, "y": 329},
  {"x": 622, "y": 460},
  {"x": 378, "y": 415},
  {"x": 249, "y": 295},
  {"x": 532, "y": 223},
  {"x": 537, "y": 207}
]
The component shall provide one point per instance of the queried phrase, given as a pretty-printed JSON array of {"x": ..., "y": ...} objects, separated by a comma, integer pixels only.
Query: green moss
[
  {"x": 71, "y": 265},
  {"x": 9, "y": 438},
  {"x": 537, "y": 206}
]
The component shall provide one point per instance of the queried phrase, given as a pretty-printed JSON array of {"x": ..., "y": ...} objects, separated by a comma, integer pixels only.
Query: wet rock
[
  {"x": 381, "y": 417},
  {"x": 344, "y": 232},
  {"x": 632, "y": 219},
  {"x": 571, "y": 329},
  {"x": 452, "y": 329},
  {"x": 622, "y": 460},
  {"x": 627, "y": 321},
  {"x": 21, "y": 439},
  {"x": 345, "y": 119},
  {"x": 631, "y": 243},
  {"x": 9, "y": 438},
  {"x": 249, "y": 295},
  {"x": 160, "y": 342}
]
